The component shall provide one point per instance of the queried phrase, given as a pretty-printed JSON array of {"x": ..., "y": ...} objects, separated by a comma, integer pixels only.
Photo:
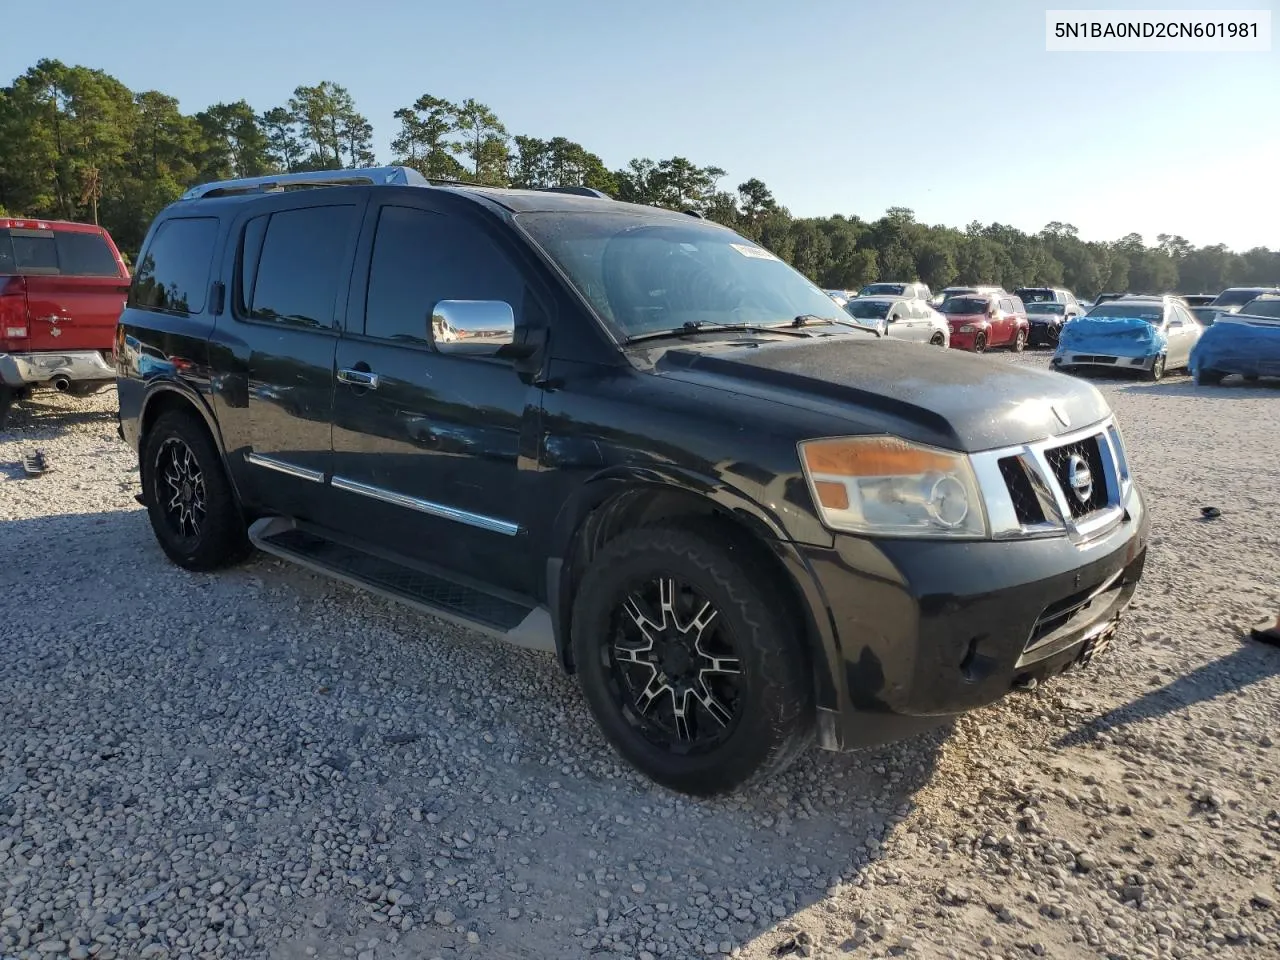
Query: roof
[
  {"x": 40, "y": 223},
  {"x": 567, "y": 199}
]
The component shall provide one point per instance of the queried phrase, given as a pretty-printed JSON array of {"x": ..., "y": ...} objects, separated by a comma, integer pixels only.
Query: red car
[
  {"x": 62, "y": 287},
  {"x": 985, "y": 320}
]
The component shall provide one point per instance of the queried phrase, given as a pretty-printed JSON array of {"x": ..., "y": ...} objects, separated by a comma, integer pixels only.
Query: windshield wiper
[
  {"x": 805, "y": 319},
  {"x": 691, "y": 327}
]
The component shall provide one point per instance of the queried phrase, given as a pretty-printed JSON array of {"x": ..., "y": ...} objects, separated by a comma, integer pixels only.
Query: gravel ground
[{"x": 262, "y": 763}]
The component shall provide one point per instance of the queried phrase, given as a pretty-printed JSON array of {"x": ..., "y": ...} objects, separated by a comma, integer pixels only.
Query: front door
[
  {"x": 429, "y": 446},
  {"x": 274, "y": 349}
]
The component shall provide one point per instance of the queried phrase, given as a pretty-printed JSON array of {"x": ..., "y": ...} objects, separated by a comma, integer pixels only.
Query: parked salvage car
[
  {"x": 1245, "y": 343},
  {"x": 1150, "y": 335},
  {"x": 651, "y": 448},
  {"x": 912, "y": 291},
  {"x": 1232, "y": 299},
  {"x": 901, "y": 318},
  {"x": 979, "y": 321},
  {"x": 62, "y": 287},
  {"x": 1047, "y": 317}
]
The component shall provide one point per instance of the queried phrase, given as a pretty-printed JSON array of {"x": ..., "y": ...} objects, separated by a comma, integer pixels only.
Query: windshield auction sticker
[
  {"x": 756, "y": 253},
  {"x": 1158, "y": 31}
]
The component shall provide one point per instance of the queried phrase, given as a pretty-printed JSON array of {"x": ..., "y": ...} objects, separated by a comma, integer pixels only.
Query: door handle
[{"x": 359, "y": 378}]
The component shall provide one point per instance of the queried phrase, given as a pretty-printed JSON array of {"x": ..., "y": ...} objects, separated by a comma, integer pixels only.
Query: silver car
[
  {"x": 901, "y": 318},
  {"x": 1146, "y": 334}
]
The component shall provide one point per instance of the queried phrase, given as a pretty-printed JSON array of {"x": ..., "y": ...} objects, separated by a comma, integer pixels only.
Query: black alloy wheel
[
  {"x": 190, "y": 502},
  {"x": 691, "y": 659}
]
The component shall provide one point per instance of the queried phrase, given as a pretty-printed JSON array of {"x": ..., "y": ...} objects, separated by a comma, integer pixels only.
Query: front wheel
[
  {"x": 1156, "y": 374},
  {"x": 189, "y": 500},
  {"x": 690, "y": 661},
  {"x": 1209, "y": 378},
  {"x": 938, "y": 340},
  {"x": 980, "y": 343}
]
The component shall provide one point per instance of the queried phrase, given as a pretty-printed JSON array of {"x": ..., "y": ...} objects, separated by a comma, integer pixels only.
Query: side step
[{"x": 519, "y": 623}]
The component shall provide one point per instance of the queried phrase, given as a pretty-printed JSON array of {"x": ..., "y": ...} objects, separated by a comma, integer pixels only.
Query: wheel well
[
  {"x": 656, "y": 506},
  {"x": 163, "y": 403}
]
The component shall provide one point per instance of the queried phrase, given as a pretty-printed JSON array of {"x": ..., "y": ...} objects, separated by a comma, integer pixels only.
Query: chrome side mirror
[{"x": 472, "y": 327}]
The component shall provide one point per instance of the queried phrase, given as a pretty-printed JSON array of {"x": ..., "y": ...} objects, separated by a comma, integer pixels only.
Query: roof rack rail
[
  {"x": 274, "y": 183},
  {"x": 578, "y": 191}
]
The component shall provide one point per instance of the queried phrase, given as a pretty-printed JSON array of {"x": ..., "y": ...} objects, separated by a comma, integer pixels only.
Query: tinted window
[
  {"x": 1152, "y": 313},
  {"x": 30, "y": 251},
  {"x": 421, "y": 258},
  {"x": 85, "y": 255},
  {"x": 1234, "y": 298},
  {"x": 301, "y": 264},
  {"x": 962, "y": 306},
  {"x": 1044, "y": 306},
  {"x": 1262, "y": 308},
  {"x": 867, "y": 309},
  {"x": 174, "y": 272},
  {"x": 882, "y": 290}
]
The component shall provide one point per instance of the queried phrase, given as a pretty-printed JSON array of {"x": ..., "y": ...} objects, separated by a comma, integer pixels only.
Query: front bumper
[
  {"x": 1111, "y": 361},
  {"x": 926, "y": 629},
  {"x": 967, "y": 341},
  {"x": 34, "y": 369}
]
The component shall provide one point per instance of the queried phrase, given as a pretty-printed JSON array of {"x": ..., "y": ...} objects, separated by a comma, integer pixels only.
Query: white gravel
[{"x": 262, "y": 763}]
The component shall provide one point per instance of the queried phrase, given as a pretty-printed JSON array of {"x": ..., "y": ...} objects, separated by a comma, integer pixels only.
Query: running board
[{"x": 510, "y": 620}]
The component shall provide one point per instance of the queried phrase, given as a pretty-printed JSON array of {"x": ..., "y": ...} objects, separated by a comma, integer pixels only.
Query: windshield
[
  {"x": 883, "y": 290},
  {"x": 867, "y": 309},
  {"x": 1152, "y": 313},
  {"x": 965, "y": 305},
  {"x": 1234, "y": 298},
  {"x": 1030, "y": 295},
  {"x": 1041, "y": 306},
  {"x": 1262, "y": 308},
  {"x": 648, "y": 274}
]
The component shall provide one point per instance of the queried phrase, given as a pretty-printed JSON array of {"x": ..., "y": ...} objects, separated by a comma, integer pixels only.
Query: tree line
[{"x": 77, "y": 144}]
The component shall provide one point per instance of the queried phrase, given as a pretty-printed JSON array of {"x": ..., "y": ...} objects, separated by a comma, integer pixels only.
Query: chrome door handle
[{"x": 359, "y": 378}]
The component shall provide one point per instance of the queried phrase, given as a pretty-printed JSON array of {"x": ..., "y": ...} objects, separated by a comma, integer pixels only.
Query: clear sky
[{"x": 841, "y": 106}]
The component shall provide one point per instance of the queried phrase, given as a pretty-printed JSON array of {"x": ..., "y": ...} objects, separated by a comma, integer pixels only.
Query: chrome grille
[{"x": 1060, "y": 462}]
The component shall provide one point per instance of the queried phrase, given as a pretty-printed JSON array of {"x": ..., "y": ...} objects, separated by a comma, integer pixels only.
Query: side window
[
  {"x": 420, "y": 258},
  {"x": 173, "y": 274},
  {"x": 296, "y": 277},
  {"x": 1018, "y": 306},
  {"x": 84, "y": 255},
  {"x": 1006, "y": 305}
]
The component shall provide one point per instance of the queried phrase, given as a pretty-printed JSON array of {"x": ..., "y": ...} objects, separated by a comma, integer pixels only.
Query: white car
[
  {"x": 1142, "y": 334},
  {"x": 901, "y": 318}
]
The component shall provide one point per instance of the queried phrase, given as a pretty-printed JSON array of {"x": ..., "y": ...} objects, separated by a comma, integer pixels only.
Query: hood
[
  {"x": 1113, "y": 336},
  {"x": 946, "y": 398}
]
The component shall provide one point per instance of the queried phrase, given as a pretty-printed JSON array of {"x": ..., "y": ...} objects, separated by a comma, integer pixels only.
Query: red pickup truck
[{"x": 62, "y": 287}]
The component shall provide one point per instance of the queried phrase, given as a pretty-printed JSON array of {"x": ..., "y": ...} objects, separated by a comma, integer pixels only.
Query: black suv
[{"x": 630, "y": 437}]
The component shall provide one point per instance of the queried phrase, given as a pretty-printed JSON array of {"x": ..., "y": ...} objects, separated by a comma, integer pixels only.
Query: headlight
[
  {"x": 886, "y": 486},
  {"x": 968, "y": 328}
]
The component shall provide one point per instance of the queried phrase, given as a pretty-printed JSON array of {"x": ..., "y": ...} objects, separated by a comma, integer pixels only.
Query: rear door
[
  {"x": 1005, "y": 326},
  {"x": 76, "y": 285}
]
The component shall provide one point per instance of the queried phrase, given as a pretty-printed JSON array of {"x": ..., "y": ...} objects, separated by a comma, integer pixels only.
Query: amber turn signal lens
[
  {"x": 873, "y": 457},
  {"x": 833, "y": 496}
]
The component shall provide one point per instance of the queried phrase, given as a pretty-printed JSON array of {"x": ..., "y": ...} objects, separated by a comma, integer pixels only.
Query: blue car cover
[
  {"x": 1112, "y": 336},
  {"x": 1252, "y": 349}
]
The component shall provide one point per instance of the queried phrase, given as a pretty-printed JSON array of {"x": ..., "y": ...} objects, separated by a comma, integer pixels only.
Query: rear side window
[
  {"x": 421, "y": 258},
  {"x": 173, "y": 275},
  {"x": 84, "y": 255},
  {"x": 295, "y": 277},
  {"x": 1006, "y": 305}
]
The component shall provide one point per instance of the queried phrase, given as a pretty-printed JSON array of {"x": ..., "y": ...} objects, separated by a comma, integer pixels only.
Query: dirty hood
[{"x": 947, "y": 398}]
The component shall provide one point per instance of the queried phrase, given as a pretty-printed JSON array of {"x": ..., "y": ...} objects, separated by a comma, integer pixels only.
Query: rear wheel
[
  {"x": 1020, "y": 341},
  {"x": 690, "y": 661},
  {"x": 938, "y": 340},
  {"x": 980, "y": 343},
  {"x": 1156, "y": 373},
  {"x": 189, "y": 500}
]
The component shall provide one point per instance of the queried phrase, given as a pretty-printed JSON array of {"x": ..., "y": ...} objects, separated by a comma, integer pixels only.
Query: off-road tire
[
  {"x": 223, "y": 538},
  {"x": 775, "y": 717}
]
